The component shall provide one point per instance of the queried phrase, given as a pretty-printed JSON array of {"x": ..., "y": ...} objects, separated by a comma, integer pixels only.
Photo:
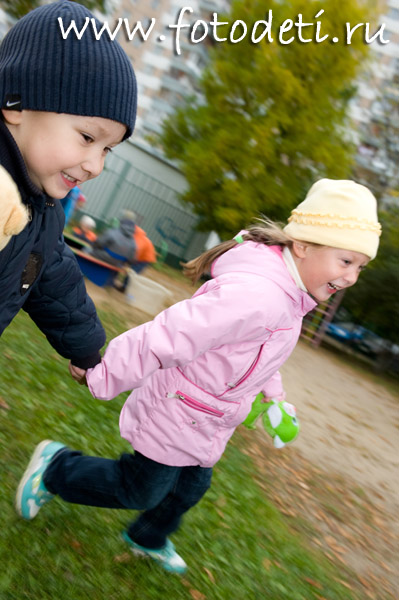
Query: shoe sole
[{"x": 28, "y": 473}]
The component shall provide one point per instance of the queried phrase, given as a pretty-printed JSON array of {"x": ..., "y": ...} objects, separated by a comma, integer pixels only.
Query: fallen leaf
[
  {"x": 377, "y": 521},
  {"x": 330, "y": 540},
  {"x": 345, "y": 584},
  {"x": 267, "y": 563},
  {"x": 316, "y": 541},
  {"x": 210, "y": 574},
  {"x": 3, "y": 404},
  {"x": 303, "y": 485},
  {"x": 363, "y": 581},
  {"x": 123, "y": 558},
  {"x": 385, "y": 566},
  {"x": 314, "y": 583},
  {"x": 197, "y": 595},
  {"x": 77, "y": 546}
]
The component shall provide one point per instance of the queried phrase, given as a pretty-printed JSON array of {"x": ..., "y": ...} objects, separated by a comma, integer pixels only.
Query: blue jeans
[{"x": 164, "y": 493}]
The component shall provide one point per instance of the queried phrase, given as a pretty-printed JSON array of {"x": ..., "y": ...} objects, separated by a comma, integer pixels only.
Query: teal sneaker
[
  {"x": 167, "y": 556},
  {"x": 31, "y": 492}
]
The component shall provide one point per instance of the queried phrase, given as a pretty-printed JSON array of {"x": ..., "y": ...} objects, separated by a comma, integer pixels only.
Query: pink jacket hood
[
  {"x": 250, "y": 261},
  {"x": 196, "y": 368}
]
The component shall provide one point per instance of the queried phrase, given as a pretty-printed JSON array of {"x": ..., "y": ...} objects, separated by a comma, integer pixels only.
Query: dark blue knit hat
[{"x": 40, "y": 70}]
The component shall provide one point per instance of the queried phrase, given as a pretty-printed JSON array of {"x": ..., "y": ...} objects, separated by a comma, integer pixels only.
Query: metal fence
[{"x": 157, "y": 206}]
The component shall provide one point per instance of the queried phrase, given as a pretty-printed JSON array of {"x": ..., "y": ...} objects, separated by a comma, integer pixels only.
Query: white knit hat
[
  {"x": 88, "y": 222},
  {"x": 337, "y": 213}
]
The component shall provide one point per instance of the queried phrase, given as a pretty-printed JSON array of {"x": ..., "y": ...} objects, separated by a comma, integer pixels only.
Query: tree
[
  {"x": 19, "y": 8},
  {"x": 374, "y": 300},
  {"x": 273, "y": 116}
]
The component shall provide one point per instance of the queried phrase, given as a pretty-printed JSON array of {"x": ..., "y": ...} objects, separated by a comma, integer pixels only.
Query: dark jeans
[{"x": 134, "y": 481}]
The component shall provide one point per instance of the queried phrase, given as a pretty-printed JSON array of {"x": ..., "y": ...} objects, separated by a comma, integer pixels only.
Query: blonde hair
[{"x": 266, "y": 232}]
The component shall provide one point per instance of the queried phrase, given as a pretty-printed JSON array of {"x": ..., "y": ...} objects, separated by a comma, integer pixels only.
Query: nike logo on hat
[{"x": 12, "y": 100}]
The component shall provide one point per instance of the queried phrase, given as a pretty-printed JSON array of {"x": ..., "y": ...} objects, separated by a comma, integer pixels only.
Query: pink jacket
[{"x": 196, "y": 368}]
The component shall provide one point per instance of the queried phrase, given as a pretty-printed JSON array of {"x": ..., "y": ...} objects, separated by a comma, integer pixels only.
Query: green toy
[{"x": 278, "y": 418}]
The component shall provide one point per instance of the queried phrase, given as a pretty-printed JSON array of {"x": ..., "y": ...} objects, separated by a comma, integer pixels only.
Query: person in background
[
  {"x": 74, "y": 200},
  {"x": 145, "y": 255},
  {"x": 145, "y": 251},
  {"x": 116, "y": 246},
  {"x": 85, "y": 230}
]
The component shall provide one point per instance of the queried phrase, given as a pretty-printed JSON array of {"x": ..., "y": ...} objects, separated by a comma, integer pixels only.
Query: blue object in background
[
  {"x": 69, "y": 202},
  {"x": 361, "y": 339},
  {"x": 345, "y": 332},
  {"x": 99, "y": 272}
]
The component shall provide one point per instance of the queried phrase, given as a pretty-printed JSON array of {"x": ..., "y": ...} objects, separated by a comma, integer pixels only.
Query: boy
[{"x": 65, "y": 103}]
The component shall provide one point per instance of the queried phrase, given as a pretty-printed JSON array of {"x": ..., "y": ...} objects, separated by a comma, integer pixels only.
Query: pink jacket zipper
[
  {"x": 247, "y": 373},
  {"x": 197, "y": 405}
]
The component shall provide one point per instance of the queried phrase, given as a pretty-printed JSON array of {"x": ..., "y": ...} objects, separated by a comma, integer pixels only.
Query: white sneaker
[
  {"x": 167, "y": 556},
  {"x": 31, "y": 492}
]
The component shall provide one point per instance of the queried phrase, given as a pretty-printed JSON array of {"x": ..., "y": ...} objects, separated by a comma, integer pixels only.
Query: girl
[{"x": 196, "y": 368}]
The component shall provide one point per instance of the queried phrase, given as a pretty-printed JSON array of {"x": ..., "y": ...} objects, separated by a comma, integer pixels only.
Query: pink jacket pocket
[{"x": 192, "y": 403}]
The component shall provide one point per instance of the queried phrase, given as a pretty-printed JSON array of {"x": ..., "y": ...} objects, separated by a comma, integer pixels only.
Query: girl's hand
[
  {"x": 266, "y": 399},
  {"x": 78, "y": 374}
]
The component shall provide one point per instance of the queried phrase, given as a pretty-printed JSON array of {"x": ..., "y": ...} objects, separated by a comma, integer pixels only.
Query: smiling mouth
[
  {"x": 69, "y": 178},
  {"x": 332, "y": 287}
]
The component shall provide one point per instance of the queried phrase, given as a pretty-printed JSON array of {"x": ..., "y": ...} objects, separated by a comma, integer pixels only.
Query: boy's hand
[{"x": 78, "y": 374}]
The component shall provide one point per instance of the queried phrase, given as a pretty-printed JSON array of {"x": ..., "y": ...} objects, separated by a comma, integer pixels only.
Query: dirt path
[
  {"x": 341, "y": 474},
  {"x": 349, "y": 420}
]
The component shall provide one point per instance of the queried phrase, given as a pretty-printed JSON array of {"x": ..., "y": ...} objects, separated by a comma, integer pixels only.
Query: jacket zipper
[
  {"x": 196, "y": 405},
  {"x": 234, "y": 384}
]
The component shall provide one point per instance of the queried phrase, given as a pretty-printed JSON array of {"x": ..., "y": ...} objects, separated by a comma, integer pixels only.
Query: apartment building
[
  {"x": 168, "y": 64},
  {"x": 375, "y": 109}
]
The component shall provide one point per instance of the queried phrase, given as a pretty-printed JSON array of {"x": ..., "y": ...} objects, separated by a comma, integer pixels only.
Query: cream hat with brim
[{"x": 337, "y": 213}]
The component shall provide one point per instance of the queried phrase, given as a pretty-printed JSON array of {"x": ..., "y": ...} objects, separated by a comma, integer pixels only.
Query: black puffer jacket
[{"x": 39, "y": 273}]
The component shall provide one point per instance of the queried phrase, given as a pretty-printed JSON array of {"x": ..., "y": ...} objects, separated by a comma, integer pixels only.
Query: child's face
[
  {"x": 61, "y": 150},
  {"x": 325, "y": 270}
]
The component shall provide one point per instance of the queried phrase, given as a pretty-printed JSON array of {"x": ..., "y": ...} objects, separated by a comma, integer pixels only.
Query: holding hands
[{"x": 78, "y": 374}]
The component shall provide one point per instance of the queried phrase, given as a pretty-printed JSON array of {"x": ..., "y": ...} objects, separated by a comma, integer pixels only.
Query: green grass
[{"x": 236, "y": 543}]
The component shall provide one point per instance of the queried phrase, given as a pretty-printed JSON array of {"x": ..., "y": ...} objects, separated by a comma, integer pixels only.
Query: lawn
[{"x": 236, "y": 542}]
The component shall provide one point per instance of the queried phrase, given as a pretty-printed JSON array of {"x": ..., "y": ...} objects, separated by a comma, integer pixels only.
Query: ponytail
[{"x": 267, "y": 232}]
